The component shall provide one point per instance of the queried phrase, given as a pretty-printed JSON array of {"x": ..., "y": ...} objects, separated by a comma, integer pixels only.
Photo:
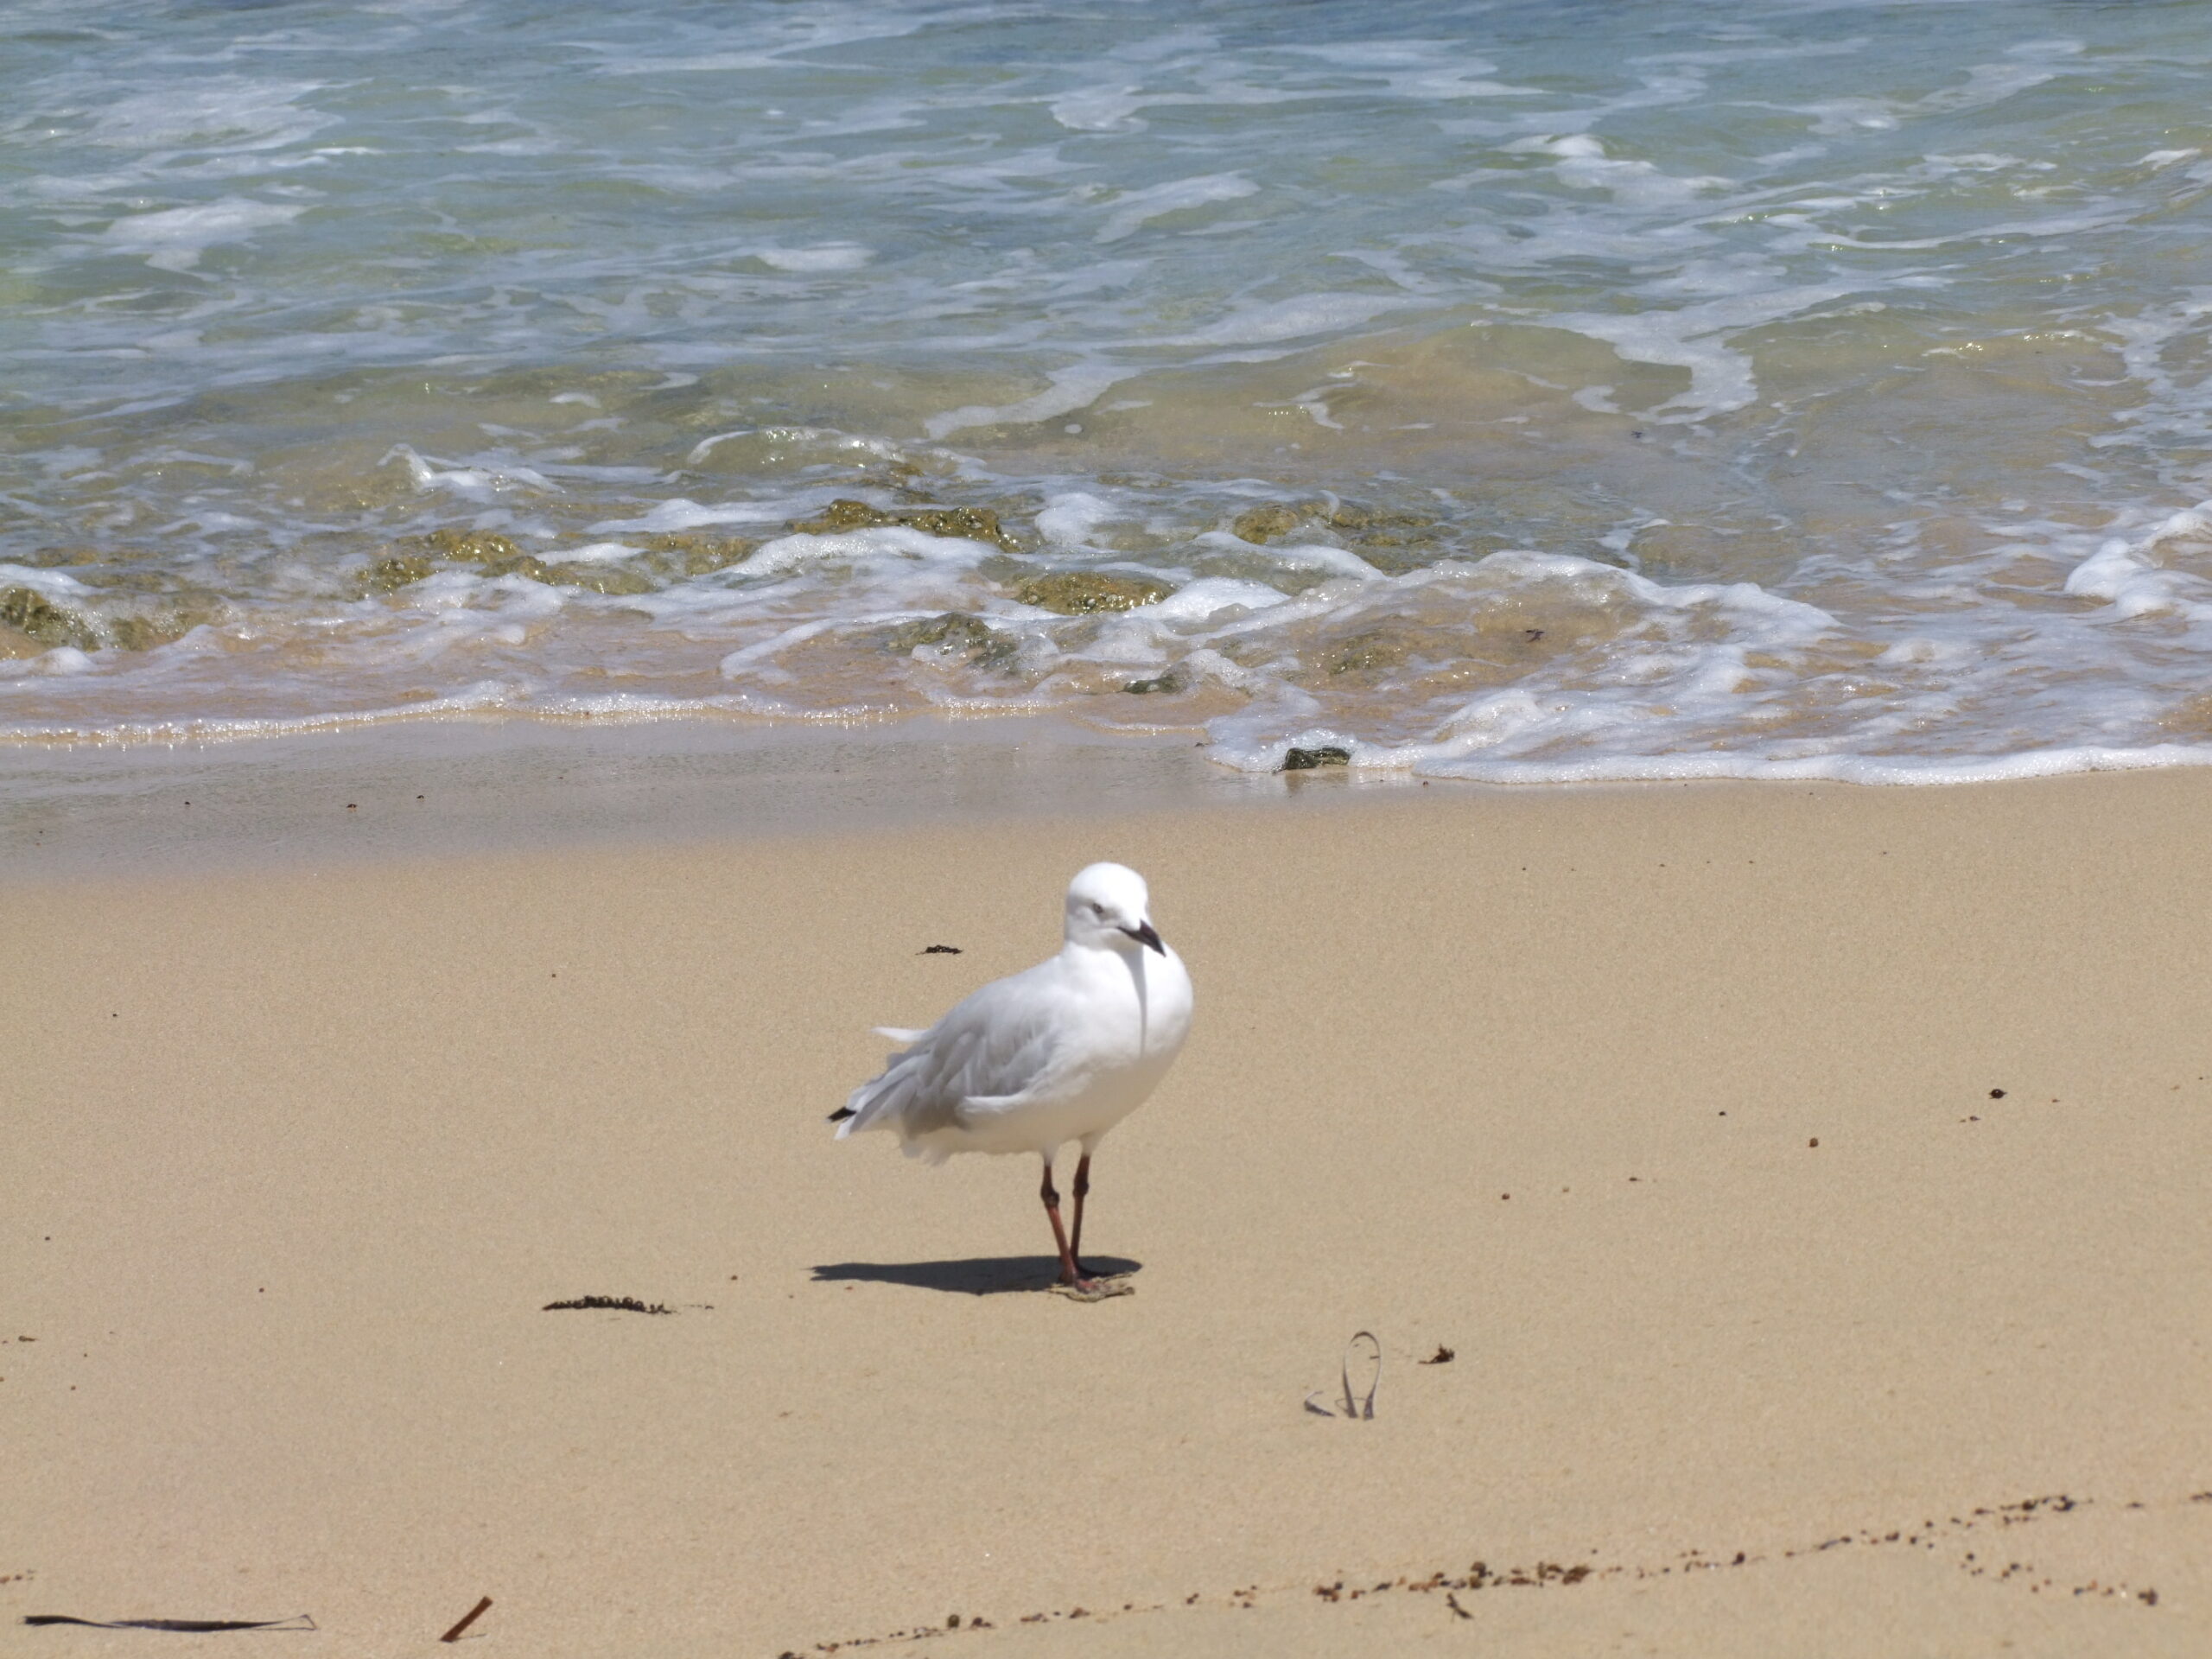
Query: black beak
[{"x": 1145, "y": 935}]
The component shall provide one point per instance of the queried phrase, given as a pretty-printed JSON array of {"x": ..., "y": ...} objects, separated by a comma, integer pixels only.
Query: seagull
[{"x": 1062, "y": 1051}]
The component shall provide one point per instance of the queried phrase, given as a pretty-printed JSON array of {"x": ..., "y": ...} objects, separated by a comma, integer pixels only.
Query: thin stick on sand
[{"x": 467, "y": 1619}]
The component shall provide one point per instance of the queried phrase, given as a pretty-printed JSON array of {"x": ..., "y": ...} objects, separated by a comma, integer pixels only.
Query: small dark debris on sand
[
  {"x": 939, "y": 950},
  {"x": 189, "y": 1626},
  {"x": 617, "y": 1304},
  {"x": 1313, "y": 759},
  {"x": 1443, "y": 1356},
  {"x": 1480, "y": 1576}
]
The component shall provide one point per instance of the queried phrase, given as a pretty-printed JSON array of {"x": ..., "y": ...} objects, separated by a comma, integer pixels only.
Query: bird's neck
[{"x": 1085, "y": 950}]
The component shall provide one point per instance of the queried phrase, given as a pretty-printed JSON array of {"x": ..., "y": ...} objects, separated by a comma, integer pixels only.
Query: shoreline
[
  {"x": 1673, "y": 1113},
  {"x": 491, "y": 787},
  {"x": 474, "y": 788}
]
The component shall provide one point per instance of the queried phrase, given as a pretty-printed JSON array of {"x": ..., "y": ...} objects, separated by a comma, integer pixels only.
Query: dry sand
[{"x": 295, "y": 1160}]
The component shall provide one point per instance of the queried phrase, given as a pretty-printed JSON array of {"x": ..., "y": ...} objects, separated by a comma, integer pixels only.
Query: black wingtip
[{"x": 842, "y": 1114}]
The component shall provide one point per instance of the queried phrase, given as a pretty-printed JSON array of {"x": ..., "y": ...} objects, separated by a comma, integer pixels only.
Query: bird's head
[{"x": 1108, "y": 908}]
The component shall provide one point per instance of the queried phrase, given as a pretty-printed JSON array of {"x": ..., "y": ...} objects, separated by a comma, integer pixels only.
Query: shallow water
[{"x": 1521, "y": 391}]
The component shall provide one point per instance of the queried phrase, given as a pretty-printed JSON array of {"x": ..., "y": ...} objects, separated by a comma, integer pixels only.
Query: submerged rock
[
  {"x": 1393, "y": 541},
  {"x": 521, "y": 564},
  {"x": 1075, "y": 593},
  {"x": 500, "y": 556},
  {"x": 390, "y": 574},
  {"x": 28, "y": 616},
  {"x": 967, "y": 524},
  {"x": 1312, "y": 760},
  {"x": 615, "y": 578},
  {"x": 1262, "y": 524},
  {"x": 33, "y": 614},
  {"x": 473, "y": 546},
  {"x": 1171, "y": 681},
  {"x": 1364, "y": 652},
  {"x": 682, "y": 554},
  {"x": 145, "y": 632},
  {"x": 955, "y": 631},
  {"x": 842, "y": 515}
]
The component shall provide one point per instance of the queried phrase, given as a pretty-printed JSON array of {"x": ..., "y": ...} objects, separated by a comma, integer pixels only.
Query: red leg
[
  {"x": 1050, "y": 1195},
  {"x": 1082, "y": 1191}
]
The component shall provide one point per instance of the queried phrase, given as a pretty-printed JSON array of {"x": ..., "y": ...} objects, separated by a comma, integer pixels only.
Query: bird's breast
[{"x": 1138, "y": 1011}]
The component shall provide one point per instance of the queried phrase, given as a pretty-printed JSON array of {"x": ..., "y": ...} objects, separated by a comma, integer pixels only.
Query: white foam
[
  {"x": 54, "y": 584},
  {"x": 682, "y": 513},
  {"x": 1070, "y": 388},
  {"x": 1136, "y": 208},
  {"x": 472, "y": 483},
  {"x": 1072, "y": 517},
  {"x": 1300, "y": 318},
  {"x": 824, "y": 257},
  {"x": 861, "y": 546},
  {"x": 2126, "y": 574},
  {"x": 1693, "y": 337},
  {"x": 1211, "y": 598},
  {"x": 175, "y": 238},
  {"x": 1100, "y": 109},
  {"x": 231, "y": 112},
  {"x": 1316, "y": 556}
]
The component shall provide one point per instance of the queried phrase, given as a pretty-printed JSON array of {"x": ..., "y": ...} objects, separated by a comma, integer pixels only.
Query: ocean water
[{"x": 1516, "y": 390}]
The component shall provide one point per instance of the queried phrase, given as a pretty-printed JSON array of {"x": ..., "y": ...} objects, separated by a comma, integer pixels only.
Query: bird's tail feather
[
  {"x": 876, "y": 1102},
  {"x": 854, "y": 1115}
]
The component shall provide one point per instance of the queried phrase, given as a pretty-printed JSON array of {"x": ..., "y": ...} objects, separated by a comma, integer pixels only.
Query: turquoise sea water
[{"x": 1514, "y": 390}]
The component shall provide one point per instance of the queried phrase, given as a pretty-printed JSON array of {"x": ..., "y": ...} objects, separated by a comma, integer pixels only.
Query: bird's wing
[{"x": 989, "y": 1051}]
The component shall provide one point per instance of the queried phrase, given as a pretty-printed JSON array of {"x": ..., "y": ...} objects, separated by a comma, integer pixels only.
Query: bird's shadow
[{"x": 973, "y": 1276}]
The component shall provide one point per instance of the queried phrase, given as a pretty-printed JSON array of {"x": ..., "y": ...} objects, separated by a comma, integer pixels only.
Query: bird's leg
[
  {"x": 1074, "y": 1237},
  {"x": 1069, "y": 1272}
]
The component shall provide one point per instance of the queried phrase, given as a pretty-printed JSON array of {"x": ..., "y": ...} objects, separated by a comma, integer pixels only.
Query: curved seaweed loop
[{"x": 1368, "y": 1348}]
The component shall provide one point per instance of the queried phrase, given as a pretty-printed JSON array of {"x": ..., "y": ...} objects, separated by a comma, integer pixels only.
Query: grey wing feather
[{"x": 975, "y": 1055}]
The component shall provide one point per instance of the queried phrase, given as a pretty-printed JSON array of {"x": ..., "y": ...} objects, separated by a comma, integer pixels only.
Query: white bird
[{"x": 1062, "y": 1051}]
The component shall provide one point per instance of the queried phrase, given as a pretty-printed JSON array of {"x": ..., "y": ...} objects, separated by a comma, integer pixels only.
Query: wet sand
[{"x": 1673, "y": 1113}]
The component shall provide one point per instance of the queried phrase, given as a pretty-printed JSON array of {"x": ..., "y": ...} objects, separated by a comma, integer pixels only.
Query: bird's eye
[{"x": 1099, "y": 910}]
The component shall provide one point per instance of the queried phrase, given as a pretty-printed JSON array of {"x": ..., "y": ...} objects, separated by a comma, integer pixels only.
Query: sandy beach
[{"x": 1808, "y": 1184}]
